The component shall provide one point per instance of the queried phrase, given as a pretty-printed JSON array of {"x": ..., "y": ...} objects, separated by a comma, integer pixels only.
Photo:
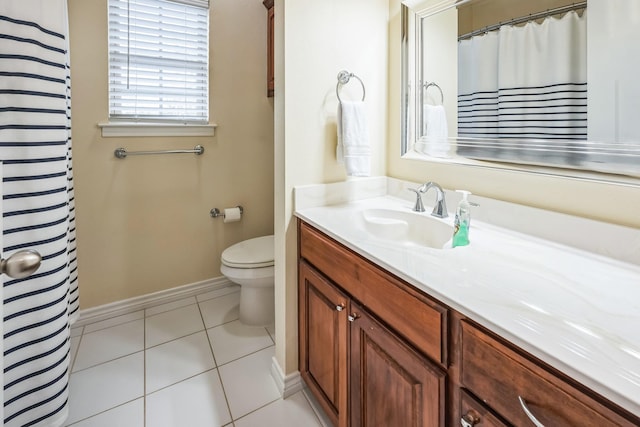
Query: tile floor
[{"x": 189, "y": 363}]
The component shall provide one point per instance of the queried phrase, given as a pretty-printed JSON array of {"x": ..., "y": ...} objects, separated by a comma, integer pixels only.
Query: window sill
[{"x": 133, "y": 129}]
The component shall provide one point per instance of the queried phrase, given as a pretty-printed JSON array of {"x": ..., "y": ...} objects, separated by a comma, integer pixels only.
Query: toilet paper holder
[{"x": 215, "y": 212}]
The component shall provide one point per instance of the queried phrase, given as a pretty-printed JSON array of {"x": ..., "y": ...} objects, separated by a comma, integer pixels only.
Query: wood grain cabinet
[
  {"x": 521, "y": 391},
  {"x": 359, "y": 368},
  {"x": 323, "y": 347},
  {"x": 375, "y": 352},
  {"x": 390, "y": 383}
]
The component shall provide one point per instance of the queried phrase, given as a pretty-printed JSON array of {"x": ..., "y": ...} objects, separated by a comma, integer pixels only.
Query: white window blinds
[{"x": 158, "y": 60}]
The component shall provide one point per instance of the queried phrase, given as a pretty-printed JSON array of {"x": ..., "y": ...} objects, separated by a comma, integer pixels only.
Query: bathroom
[{"x": 143, "y": 223}]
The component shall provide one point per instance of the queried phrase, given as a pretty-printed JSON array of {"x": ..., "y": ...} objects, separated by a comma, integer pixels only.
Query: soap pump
[{"x": 462, "y": 221}]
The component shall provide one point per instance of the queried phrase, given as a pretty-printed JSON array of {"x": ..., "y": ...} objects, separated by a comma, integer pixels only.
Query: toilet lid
[{"x": 252, "y": 253}]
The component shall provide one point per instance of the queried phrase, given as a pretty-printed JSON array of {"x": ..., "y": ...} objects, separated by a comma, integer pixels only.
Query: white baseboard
[
  {"x": 119, "y": 308},
  {"x": 287, "y": 385}
]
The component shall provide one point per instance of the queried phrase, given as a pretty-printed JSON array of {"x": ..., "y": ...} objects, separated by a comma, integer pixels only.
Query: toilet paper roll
[{"x": 232, "y": 214}]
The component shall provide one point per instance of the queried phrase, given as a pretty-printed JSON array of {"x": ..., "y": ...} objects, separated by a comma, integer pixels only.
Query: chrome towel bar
[{"x": 121, "y": 153}]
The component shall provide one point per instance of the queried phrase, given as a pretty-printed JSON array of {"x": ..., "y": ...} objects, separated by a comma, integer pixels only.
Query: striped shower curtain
[
  {"x": 522, "y": 85},
  {"x": 38, "y": 209}
]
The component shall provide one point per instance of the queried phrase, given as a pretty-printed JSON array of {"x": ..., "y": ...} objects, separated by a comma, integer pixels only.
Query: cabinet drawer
[
  {"x": 411, "y": 314},
  {"x": 474, "y": 413},
  {"x": 500, "y": 376}
]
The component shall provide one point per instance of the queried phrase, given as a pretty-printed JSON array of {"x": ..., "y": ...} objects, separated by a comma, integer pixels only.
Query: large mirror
[{"x": 549, "y": 83}]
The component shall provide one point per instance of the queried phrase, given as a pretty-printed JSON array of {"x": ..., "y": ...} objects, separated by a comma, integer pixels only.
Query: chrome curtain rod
[
  {"x": 121, "y": 153},
  {"x": 521, "y": 20}
]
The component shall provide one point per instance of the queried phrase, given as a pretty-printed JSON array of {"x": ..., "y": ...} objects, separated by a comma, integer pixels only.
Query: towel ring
[
  {"x": 428, "y": 85},
  {"x": 343, "y": 79}
]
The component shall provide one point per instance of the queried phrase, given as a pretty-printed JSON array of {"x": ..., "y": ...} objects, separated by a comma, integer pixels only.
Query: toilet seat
[{"x": 252, "y": 253}]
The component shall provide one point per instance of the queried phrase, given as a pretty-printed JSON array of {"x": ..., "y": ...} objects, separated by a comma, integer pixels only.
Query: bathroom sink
[{"x": 409, "y": 228}]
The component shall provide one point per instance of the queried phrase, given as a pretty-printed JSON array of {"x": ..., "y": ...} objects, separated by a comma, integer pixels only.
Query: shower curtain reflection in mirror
[{"x": 521, "y": 84}]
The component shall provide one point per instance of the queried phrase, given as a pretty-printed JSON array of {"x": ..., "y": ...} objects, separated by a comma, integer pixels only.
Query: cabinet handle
[
  {"x": 529, "y": 414},
  {"x": 352, "y": 317},
  {"x": 469, "y": 419},
  {"x": 339, "y": 307}
]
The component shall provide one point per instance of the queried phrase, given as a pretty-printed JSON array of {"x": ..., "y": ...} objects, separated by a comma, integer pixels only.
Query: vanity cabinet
[
  {"x": 520, "y": 389},
  {"x": 362, "y": 370},
  {"x": 375, "y": 351}
]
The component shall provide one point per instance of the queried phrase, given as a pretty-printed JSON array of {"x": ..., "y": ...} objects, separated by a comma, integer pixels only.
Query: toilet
[{"x": 250, "y": 264}]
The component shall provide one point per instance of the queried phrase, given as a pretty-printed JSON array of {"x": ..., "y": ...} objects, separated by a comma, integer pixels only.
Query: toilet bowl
[{"x": 250, "y": 264}]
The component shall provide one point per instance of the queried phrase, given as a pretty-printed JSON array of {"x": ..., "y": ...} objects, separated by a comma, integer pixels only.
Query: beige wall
[
  {"x": 143, "y": 223},
  {"x": 315, "y": 40},
  {"x": 606, "y": 202},
  {"x": 482, "y": 13}
]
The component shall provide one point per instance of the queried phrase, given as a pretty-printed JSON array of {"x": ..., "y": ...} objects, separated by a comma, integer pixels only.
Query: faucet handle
[{"x": 419, "y": 206}]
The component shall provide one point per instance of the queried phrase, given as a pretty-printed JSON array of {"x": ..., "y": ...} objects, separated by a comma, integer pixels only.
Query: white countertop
[{"x": 575, "y": 310}]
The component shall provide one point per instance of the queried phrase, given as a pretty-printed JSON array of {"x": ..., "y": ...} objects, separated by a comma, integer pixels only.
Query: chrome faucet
[{"x": 440, "y": 209}]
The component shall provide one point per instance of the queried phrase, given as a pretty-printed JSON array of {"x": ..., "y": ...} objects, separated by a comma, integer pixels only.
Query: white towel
[
  {"x": 433, "y": 141},
  {"x": 353, "y": 138},
  {"x": 435, "y": 120}
]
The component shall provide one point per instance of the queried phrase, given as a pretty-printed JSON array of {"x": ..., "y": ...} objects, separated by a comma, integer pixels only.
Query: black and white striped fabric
[
  {"x": 38, "y": 209},
  {"x": 522, "y": 84},
  {"x": 557, "y": 111}
]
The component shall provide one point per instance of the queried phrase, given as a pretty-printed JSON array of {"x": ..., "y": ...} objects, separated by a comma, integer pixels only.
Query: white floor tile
[
  {"x": 198, "y": 401},
  {"x": 248, "y": 383},
  {"x": 75, "y": 343},
  {"x": 105, "y": 386},
  {"x": 112, "y": 370},
  {"x": 272, "y": 331},
  {"x": 130, "y": 415},
  {"x": 118, "y": 320},
  {"x": 108, "y": 344},
  {"x": 169, "y": 306},
  {"x": 220, "y": 310},
  {"x": 172, "y": 324},
  {"x": 177, "y": 360},
  {"x": 233, "y": 340},
  {"x": 76, "y": 331},
  {"x": 295, "y": 411}
]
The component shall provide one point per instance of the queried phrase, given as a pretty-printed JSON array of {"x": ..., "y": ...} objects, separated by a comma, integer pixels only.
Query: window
[{"x": 158, "y": 61}]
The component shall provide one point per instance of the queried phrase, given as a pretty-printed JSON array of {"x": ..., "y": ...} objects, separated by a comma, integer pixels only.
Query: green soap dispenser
[{"x": 462, "y": 222}]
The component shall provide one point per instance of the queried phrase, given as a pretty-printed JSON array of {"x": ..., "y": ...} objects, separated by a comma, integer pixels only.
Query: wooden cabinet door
[
  {"x": 323, "y": 342},
  {"x": 390, "y": 383}
]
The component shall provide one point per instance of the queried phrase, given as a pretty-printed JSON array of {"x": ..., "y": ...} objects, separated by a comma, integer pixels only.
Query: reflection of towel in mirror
[
  {"x": 433, "y": 140},
  {"x": 353, "y": 138}
]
